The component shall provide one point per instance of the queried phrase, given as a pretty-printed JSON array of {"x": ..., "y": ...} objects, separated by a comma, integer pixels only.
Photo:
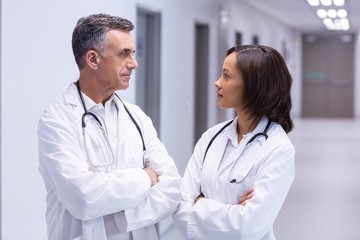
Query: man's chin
[{"x": 124, "y": 84}]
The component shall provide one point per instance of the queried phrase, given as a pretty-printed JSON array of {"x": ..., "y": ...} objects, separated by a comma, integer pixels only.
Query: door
[
  {"x": 238, "y": 39},
  {"x": 148, "y": 84},
  {"x": 201, "y": 79},
  {"x": 328, "y": 76}
]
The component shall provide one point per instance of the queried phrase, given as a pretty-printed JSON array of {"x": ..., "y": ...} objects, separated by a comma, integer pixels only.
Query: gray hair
[{"x": 90, "y": 34}]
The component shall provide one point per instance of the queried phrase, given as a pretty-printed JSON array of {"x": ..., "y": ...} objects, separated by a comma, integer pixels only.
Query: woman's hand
[
  {"x": 248, "y": 195},
  {"x": 242, "y": 201}
]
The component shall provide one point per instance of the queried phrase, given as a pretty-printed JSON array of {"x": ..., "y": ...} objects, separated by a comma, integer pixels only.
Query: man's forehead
[{"x": 119, "y": 39}]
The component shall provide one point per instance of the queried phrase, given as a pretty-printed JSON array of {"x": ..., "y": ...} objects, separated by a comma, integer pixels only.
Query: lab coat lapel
[
  {"x": 71, "y": 96},
  {"x": 219, "y": 145},
  {"x": 122, "y": 134},
  {"x": 212, "y": 162},
  {"x": 129, "y": 152},
  {"x": 244, "y": 164}
]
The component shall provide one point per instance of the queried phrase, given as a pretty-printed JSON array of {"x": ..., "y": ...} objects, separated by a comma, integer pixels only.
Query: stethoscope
[
  {"x": 260, "y": 134},
  {"x": 83, "y": 124}
]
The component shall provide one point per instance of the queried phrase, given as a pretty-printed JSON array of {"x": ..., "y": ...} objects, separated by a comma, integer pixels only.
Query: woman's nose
[{"x": 217, "y": 84}]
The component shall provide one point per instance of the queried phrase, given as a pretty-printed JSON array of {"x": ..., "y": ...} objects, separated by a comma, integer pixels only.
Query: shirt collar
[
  {"x": 232, "y": 130},
  {"x": 72, "y": 96}
]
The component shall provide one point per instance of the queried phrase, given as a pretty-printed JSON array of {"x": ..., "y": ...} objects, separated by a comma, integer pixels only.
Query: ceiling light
[
  {"x": 326, "y": 2},
  {"x": 331, "y": 13},
  {"x": 346, "y": 28},
  {"x": 313, "y": 2},
  {"x": 342, "y": 13},
  {"x": 333, "y": 16},
  {"x": 344, "y": 22},
  {"x": 321, "y": 13},
  {"x": 339, "y": 2},
  {"x": 337, "y": 25},
  {"x": 341, "y": 24},
  {"x": 327, "y": 21}
]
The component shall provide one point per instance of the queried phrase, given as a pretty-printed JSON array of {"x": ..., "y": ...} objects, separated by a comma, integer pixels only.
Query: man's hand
[
  {"x": 154, "y": 177},
  {"x": 199, "y": 197},
  {"x": 248, "y": 195}
]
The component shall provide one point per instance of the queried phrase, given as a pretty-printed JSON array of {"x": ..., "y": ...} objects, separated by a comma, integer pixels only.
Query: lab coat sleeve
[
  {"x": 210, "y": 219},
  {"x": 85, "y": 194},
  {"x": 190, "y": 186},
  {"x": 165, "y": 196}
]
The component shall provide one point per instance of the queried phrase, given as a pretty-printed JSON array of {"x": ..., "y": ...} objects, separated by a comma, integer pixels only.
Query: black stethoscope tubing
[
  {"x": 83, "y": 124},
  {"x": 263, "y": 133}
]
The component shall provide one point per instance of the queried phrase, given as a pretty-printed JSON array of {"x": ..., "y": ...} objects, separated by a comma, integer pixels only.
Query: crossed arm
[{"x": 242, "y": 201}]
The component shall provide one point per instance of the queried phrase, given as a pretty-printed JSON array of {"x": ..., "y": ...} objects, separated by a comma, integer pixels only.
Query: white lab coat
[
  {"x": 268, "y": 167},
  {"x": 78, "y": 197}
]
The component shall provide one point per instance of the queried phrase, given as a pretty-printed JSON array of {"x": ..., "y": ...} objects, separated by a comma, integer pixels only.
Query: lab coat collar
[
  {"x": 119, "y": 103},
  {"x": 261, "y": 125},
  {"x": 259, "y": 128},
  {"x": 71, "y": 96},
  {"x": 232, "y": 131}
]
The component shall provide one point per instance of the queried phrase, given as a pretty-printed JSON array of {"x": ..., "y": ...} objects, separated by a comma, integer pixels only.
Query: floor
[{"x": 324, "y": 201}]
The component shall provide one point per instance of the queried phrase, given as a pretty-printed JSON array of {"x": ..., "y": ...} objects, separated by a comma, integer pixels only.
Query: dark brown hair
[{"x": 267, "y": 83}]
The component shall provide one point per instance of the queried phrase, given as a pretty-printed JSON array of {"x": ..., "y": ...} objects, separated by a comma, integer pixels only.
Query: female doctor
[{"x": 241, "y": 170}]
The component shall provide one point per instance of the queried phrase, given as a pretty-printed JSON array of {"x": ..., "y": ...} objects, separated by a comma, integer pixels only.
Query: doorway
[
  {"x": 201, "y": 79},
  {"x": 328, "y": 76},
  {"x": 255, "y": 40},
  {"x": 238, "y": 39},
  {"x": 148, "y": 46}
]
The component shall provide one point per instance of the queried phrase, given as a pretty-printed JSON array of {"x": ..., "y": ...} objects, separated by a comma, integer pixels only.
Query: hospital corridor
[
  {"x": 178, "y": 81},
  {"x": 323, "y": 203},
  {"x": 324, "y": 200}
]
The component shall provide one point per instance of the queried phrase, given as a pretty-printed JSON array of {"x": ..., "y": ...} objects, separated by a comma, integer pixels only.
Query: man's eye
[{"x": 125, "y": 54}]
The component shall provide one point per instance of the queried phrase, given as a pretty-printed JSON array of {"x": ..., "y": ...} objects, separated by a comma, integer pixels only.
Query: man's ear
[{"x": 92, "y": 59}]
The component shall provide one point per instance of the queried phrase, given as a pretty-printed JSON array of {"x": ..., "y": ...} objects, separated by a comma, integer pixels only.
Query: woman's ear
[{"x": 92, "y": 59}]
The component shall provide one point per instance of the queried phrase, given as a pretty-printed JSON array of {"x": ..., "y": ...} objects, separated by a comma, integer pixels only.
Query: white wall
[
  {"x": 37, "y": 65},
  {"x": 250, "y": 22}
]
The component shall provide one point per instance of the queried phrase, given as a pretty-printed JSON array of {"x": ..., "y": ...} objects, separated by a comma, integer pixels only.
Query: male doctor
[{"x": 106, "y": 173}]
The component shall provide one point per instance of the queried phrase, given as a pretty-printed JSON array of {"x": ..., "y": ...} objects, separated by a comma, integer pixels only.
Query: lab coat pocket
[{"x": 241, "y": 170}]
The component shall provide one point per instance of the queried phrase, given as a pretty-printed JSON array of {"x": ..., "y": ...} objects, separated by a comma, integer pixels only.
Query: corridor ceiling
[{"x": 299, "y": 15}]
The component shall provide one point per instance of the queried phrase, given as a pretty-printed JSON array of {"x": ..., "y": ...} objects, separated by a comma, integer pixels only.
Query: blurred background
[{"x": 181, "y": 46}]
